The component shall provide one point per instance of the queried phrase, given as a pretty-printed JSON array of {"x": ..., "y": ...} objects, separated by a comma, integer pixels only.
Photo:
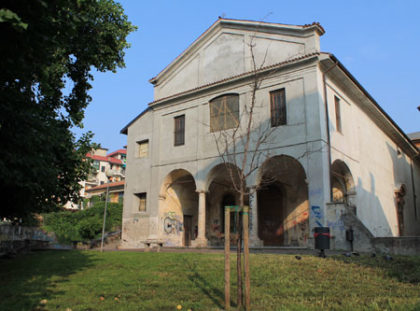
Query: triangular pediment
[{"x": 224, "y": 50}]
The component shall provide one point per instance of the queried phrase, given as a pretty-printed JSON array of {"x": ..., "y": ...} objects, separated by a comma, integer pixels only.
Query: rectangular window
[
  {"x": 95, "y": 165},
  {"x": 278, "y": 107},
  {"x": 102, "y": 168},
  {"x": 143, "y": 148},
  {"x": 224, "y": 112},
  {"x": 179, "y": 130},
  {"x": 142, "y": 198},
  {"x": 337, "y": 114}
]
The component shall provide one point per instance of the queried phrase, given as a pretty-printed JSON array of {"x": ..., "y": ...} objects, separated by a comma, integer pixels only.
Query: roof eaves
[
  {"x": 414, "y": 136},
  {"x": 124, "y": 130},
  {"x": 317, "y": 26},
  {"x": 119, "y": 151},
  {"x": 366, "y": 93},
  {"x": 110, "y": 185},
  {"x": 235, "y": 77}
]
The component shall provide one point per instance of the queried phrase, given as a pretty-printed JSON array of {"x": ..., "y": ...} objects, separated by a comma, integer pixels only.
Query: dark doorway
[
  {"x": 188, "y": 230},
  {"x": 271, "y": 214},
  {"x": 228, "y": 200}
]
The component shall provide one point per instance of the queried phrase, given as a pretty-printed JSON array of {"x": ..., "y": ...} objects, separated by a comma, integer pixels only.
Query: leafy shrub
[
  {"x": 89, "y": 228},
  {"x": 84, "y": 225}
]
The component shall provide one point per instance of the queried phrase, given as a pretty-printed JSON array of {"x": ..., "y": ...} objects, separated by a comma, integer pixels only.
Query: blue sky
[{"x": 378, "y": 42}]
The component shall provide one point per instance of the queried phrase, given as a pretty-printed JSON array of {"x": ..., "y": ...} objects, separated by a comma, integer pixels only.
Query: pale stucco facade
[{"x": 184, "y": 187}]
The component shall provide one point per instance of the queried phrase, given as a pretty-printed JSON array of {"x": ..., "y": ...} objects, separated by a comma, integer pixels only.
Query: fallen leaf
[{"x": 44, "y": 301}]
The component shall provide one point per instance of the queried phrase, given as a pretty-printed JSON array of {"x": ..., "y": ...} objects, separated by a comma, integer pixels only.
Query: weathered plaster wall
[
  {"x": 377, "y": 165},
  {"x": 136, "y": 224},
  {"x": 301, "y": 139},
  {"x": 226, "y": 53}
]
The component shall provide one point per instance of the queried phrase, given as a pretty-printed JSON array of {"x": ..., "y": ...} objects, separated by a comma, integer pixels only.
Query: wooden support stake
[
  {"x": 239, "y": 256},
  {"x": 245, "y": 221},
  {"x": 227, "y": 258}
]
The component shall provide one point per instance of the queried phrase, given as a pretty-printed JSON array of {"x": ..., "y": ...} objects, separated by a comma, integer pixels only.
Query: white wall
[
  {"x": 302, "y": 138},
  {"x": 226, "y": 53},
  {"x": 375, "y": 165}
]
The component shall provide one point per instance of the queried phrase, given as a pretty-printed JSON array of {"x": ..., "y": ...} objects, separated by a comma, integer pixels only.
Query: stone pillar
[
  {"x": 254, "y": 240},
  {"x": 201, "y": 240}
]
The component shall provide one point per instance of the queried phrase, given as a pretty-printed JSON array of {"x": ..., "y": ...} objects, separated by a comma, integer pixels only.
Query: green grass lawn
[{"x": 89, "y": 280}]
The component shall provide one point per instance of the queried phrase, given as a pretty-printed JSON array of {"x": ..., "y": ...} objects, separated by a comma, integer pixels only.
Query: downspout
[
  {"x": 328, "y": 126},
  {"x": 414, "y": 190}
]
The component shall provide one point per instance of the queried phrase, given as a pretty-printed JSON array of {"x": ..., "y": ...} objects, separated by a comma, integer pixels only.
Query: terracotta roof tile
[
  {"x": 236, "y": 77},
  {"x": 110, "y": 185},
  {"x": 104, "y": 159},
  {"x": 121, "y": 151}
]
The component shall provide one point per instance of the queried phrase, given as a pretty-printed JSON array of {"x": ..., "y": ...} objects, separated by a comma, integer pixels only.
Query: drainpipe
[
  {"x": 328, "y": 126},
  {"x": 414, "y": 189}
]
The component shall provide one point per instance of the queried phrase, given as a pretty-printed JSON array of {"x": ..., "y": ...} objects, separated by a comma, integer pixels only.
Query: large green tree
[{"x": 48, "y": 50}]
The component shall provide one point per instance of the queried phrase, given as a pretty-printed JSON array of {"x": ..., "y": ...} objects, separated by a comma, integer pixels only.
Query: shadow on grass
[
  {"x": 31, "y": 278},
  {"x": 215, "y": 294},
  {"x": 403, "y": 268}
]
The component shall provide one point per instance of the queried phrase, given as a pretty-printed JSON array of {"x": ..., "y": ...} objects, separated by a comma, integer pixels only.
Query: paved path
[{"x": 266, "y": 250}]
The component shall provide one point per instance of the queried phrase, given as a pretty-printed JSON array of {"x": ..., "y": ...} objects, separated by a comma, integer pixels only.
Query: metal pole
[{"x": 103, "y": 225}]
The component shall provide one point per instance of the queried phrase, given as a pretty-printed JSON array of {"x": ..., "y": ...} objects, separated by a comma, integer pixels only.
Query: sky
[{"x": 377, "y": 41}]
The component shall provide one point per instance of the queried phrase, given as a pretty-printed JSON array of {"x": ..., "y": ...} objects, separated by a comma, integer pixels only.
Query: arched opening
[
  {"x": 282, "y": 197},
  {"x": 342, "y": 183},
  {"x": 224, "y": 112},
  {"x": 400, "y": 194},
  {"x": 221, "y": 192},
  {"x": 179, "y": 208}
]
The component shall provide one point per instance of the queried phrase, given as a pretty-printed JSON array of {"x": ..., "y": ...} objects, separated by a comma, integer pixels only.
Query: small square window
[
  {"x": 141, "y": 201},
  {"x": 143, "y": 148}
]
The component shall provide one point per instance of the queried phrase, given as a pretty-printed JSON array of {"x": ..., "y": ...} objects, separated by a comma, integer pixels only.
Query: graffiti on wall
[
  {"x": 317, "y": 215},
  {"x": 172, "y": 223}
]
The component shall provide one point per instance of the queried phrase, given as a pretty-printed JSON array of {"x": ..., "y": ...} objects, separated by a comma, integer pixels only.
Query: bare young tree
[{"x": 243, "y": 144}]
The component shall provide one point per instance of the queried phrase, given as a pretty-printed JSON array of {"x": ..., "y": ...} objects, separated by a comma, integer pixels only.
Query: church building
[{"x": 333, "y": 157}]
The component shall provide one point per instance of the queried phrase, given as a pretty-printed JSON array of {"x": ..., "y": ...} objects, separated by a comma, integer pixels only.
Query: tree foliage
[
  {"x": 48, "y": 51},
  {"x": 84, "y": 225}
]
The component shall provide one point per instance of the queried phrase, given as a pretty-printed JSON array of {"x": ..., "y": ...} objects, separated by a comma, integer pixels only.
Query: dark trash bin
[{"x": 322, "y": 238}]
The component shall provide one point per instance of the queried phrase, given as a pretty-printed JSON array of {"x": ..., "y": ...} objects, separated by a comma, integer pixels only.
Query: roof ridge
[{"x": 220, "y": 21}]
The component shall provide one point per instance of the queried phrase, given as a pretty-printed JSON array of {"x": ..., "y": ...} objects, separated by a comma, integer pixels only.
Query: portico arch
[
  {"x": 221, "y": 183},
  {"x": 342, "y": 182},
  {"x": 282, "y": 200},
  {"x": 178, "y": 208}
]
